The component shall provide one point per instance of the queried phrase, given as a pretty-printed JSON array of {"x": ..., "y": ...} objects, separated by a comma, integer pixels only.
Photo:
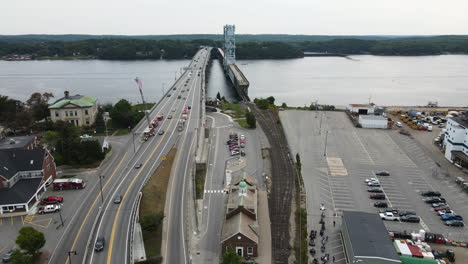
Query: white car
[
  {"x": 399, "y": 124},
  {"x": 372, "y": 180},
  {"x": 49, "y": 209},
  {"x": 373, "y": 184},
  {"x": 389, "y": 216},
  {"x": 242, "y": 137}
]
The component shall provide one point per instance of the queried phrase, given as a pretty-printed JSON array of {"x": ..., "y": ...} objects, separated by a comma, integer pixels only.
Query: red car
[
  {"x": 445, "y": 207},
  {"x": 52, "y": 200}
]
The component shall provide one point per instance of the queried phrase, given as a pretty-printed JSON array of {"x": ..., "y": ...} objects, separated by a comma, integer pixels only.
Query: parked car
[
  {"x": 373, "y": 184},
  {"x": 380, "y": 204},
  {"x": 374, "y": 189},
  {"x": 242, "y": 137},
  {"x": 382, "y": 173},
  {"x": 447, "y": 217},
  {"x": 242, "y": 153},
  {"x": 431, "y": 193},
  {"x": 169, "y": 117},
  {"x": 7, "y": 256},
  {"x": 138, "y": 165},
  {"x": 371, "y": 180},
  {"x": 189, "y": 107},
  {"x": 445, "y": 207},
  {"x": 431, "y": 200},
  {"x": 389, "y": 216},
  {"x": 455, "y": 223},
  {"x": 399, "y": 124},
  {"x": 51, "y": 208},
  {"x": 403, "y": 213},
  {"x": 410, "y": 218},
  {"x": 100, "y": 244},
  {"x": 161, "y": 132},
  {"x": 242, "y": 145},
  {"x": 377, "y": 196},
  {"x": 118, "y": 199},
  {"x": 52, "y": 200},
  {"x": 389, "y": 210},
  {"x": 434, "y": 205},
  {"x": 447, "y": 211}
]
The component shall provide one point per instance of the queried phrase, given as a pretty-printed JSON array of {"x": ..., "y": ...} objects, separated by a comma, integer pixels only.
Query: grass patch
[
  {"x": 152, "y": 204},
  {"x": 121, "y": 132},
  {"x": 242, "y": 123},
  {"x": 237, "y": 111},
  {"x": 200, "y": 182},
  {"x": 300, "y": 242}
]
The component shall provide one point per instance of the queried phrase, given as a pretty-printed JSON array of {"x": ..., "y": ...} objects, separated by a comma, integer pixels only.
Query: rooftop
[
  {"x": 249, "y": 201},
  {"x": 21, "y": 192},
  {"x": 14, "y": 161},
  {"x": 240, "y": 223},
  {"x": 461, "y": 120},
  {"x": 372, "y": 117},
  {"x": 78, "y": 100},
  {"x": 369, "y": 236},
  {"x": 362, "y": 105},
  {"x": 15, "y": 142}
]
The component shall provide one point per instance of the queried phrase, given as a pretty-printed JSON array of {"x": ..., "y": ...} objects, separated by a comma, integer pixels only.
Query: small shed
[{"x": 371, "y": 121}]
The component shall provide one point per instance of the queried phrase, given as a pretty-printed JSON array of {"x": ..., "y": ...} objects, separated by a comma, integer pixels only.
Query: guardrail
[{"x": 131, "y": 232}]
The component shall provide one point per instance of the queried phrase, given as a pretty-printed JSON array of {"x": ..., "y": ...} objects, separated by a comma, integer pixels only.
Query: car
[
  {"x": 174, "y": 88},
  {"x": 410, "y": 218},
  {"x": 373, "y": 184},
  {"x": 173, "y": 110},
  {"x": 7, "y": 256},
  {"x": 455, "y": 223},
  {"x": 184, "y": 98},
  {"x": 180, "y": 128},
  {"x": 242, "y": 137},
  {"x": 51, "y": 208},
  {"x": 445, "y": 207},
  {"x": 52, "y": 200},
  {"x": 161, "y": 132},
  {"x": 435, "y": 199},
  {"x": 403, "y": 213},
  {"x": 399, "y": 124},
  {"x": 242, "y": 153},
  {"x": 169, "y": 117},
  {"x": 434, "y": 205},
  {"x": 389, "y": 210},
  {"x": 375, "y": 190},
  {"x": 431, "y": 193},
  {"x": 380, "y": 204},
  {"x": 178, "y": 97},
  {"x": 446, "y": 211},
  {"x": 168, "y": 95},
  {"x": 377, "y": 196},
  {"x": 138, "y": 165},
  {"x": 234, "y": 153},
  {"x": 447, "y": 217},
  {"x": 185, "y": 84},
  {"x": 189, "y": 107},
  {"x": 382, "y": 173},
  {"x": 100, "y": 244},
  {"x": 371, "y": 180},
  {"x": 118, "y": 199},
  {"x": 389, "y": 216},
  {"x": 234, "y": 148}
]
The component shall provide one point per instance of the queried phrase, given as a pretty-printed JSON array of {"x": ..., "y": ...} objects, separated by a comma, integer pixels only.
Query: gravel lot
[{"x": 334, "y": 172}]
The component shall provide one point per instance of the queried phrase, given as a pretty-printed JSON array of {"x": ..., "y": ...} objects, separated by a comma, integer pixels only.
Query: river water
[{"x": 329, "y": 80}]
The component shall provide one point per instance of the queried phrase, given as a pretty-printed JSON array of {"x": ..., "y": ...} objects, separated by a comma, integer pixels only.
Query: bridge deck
[{"x": 241, "y": 80}]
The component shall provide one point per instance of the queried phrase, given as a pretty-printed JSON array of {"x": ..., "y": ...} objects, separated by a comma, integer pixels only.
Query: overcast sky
[{"x": 311, "y": 17}]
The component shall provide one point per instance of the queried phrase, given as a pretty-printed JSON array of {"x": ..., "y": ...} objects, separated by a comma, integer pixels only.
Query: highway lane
[
  {"x": 76, "y": 231},
  {"x": 116, "y": 220}
]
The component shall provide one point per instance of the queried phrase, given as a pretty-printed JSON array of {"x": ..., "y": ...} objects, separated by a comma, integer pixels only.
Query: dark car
[
  {"x": 377, "y": 196},
  {"x": 454, "y": 223},
  {"x": 100, "y": 243},
  {"x": 389, "y": 210},
  {"x": 434, "y": 205},
  {"x": 137, "y": 166},
  {"x": 189, "y": 107},
  {"x": 431, "y": 193},
  {"x": 52, "y": 200},
  {"x": 161, "y": 132},
  {"x": 403, "y": 213},
  {"x": 375, "y": 190},
  {"x": 447, "y": 217},
  {"x": 7, "y": 256},
  {"x": 380, "y": 204},
  {"x": 118, "y": 199},
  {"x": 431, "y": 200},
  {"x": 410, "y": 218},
  {"x": 382, "y": 173}
]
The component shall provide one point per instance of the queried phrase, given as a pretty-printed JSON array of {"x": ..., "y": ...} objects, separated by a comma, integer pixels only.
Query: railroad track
[{"x": 283, "y": 176}]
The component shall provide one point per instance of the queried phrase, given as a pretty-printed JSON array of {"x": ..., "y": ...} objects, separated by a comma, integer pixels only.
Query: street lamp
[
  {"x": 70, "y": 253},
  {"x": 325, "y": 151},
  {"x": 100, "y": 184}
]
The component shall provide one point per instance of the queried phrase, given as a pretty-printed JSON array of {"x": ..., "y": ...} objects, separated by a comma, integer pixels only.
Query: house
[
  {"x": 456, "y": 140},
  {"x": 13, "y": 143},
  {"x": 362, "y": 109},
  {"x": 24, "y": 175},
  {"x": 78, "y": 110},
  {"x": 240, "y": 229}
]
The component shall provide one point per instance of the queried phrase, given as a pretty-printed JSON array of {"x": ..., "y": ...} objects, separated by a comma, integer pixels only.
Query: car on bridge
[
  {"x": 100, "y": 243},
  {"x": 138, "y": 165},
  {"x": 118, "y": 199}
]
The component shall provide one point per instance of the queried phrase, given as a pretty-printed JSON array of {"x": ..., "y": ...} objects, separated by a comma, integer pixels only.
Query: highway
[{"x": 112, "y": 221}]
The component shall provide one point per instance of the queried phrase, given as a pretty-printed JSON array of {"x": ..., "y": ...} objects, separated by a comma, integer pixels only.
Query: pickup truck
[
  {"x": 49, "y": 209},
  {"x": 389, "y": 216}
]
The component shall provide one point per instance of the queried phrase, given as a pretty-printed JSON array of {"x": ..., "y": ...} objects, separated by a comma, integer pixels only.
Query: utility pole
[
  {"x": 140, "y": 85},
  {"x": 325, "y": 151},
  {"x": 100, "y": 185},
  {"x": 133, "y": 133},
  {"x": 320, "y": 127},
  {"x": 69, "y": 255},
  {"x": 163, "y": 88},
  {"x": 61, "y": 219}
]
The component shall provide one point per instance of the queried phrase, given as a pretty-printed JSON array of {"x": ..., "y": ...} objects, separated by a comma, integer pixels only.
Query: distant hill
[{"x": 239, "y": 37}]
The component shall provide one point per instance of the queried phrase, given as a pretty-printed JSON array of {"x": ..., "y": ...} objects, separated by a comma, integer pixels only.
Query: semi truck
[{"x": 68, "y": 184}]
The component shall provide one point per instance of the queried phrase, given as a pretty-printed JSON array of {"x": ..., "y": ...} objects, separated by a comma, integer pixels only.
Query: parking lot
[{"x": 337, "y": 158}]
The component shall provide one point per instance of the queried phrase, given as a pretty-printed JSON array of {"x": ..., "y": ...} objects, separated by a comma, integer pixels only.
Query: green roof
[
  {"x": 410, "y": 260},
  {"x": 78, "y": 100}
]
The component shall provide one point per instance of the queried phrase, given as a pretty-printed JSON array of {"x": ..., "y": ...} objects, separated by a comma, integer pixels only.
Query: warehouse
[
  {"x": 362, "y": 109},
  {"x": 366, "y": 240},
  {"x": 372, "y": 121}
]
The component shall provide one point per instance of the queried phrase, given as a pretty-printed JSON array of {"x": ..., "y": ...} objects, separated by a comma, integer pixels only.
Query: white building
[
  {"x": 456, "y": 140},
  {"x": 362, "y": 109},
  {"x": 77, "y": 109},
  {"x": 372, "y": 121}
]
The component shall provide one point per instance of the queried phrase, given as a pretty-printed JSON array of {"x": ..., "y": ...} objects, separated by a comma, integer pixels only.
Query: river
[{"x": 383, "y": 80}]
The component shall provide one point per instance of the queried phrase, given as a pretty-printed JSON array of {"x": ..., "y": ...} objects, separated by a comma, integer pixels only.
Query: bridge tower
[{"x": 229, "y": 45}]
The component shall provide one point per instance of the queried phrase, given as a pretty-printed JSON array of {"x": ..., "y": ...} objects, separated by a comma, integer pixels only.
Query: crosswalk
[{"x": 216, "y": 191}]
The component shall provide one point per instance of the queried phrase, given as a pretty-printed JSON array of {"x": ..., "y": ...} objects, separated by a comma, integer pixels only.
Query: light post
[
  {"x": 163, "y": 88},
  {"x": 133, "y": 134},
  {"x": 70, "y": 253},
  {"x": 325, "y": 151},
  {"x": 100, "y": 184},
  {"x": 61, "y": 219}
]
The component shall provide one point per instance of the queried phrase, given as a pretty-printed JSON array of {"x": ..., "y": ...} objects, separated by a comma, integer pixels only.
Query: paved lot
[{"x": 334, "y": 172}]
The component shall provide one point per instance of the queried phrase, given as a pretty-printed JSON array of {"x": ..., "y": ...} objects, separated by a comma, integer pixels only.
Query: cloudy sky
[{"x": 312, "y": 17}]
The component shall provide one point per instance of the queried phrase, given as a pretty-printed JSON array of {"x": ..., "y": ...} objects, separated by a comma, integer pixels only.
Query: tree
[
  {"x": 231, "y": 257},
  {"x": 298, "y": 162},
  {"x": 271, "y": 100},
  {"x": 39, "y": 105},
  {"x": 262, "y": 103},
  {"x": 251, "y": 120},
  {"x": 30, "y": 240},
  {"x": 51, "y": 138},
  {"x": 284, "y": 105},
  {"x": 218, "y": 96},
  {"x": 19, "y": 257},
  {"x": 122, "y": 114}
]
